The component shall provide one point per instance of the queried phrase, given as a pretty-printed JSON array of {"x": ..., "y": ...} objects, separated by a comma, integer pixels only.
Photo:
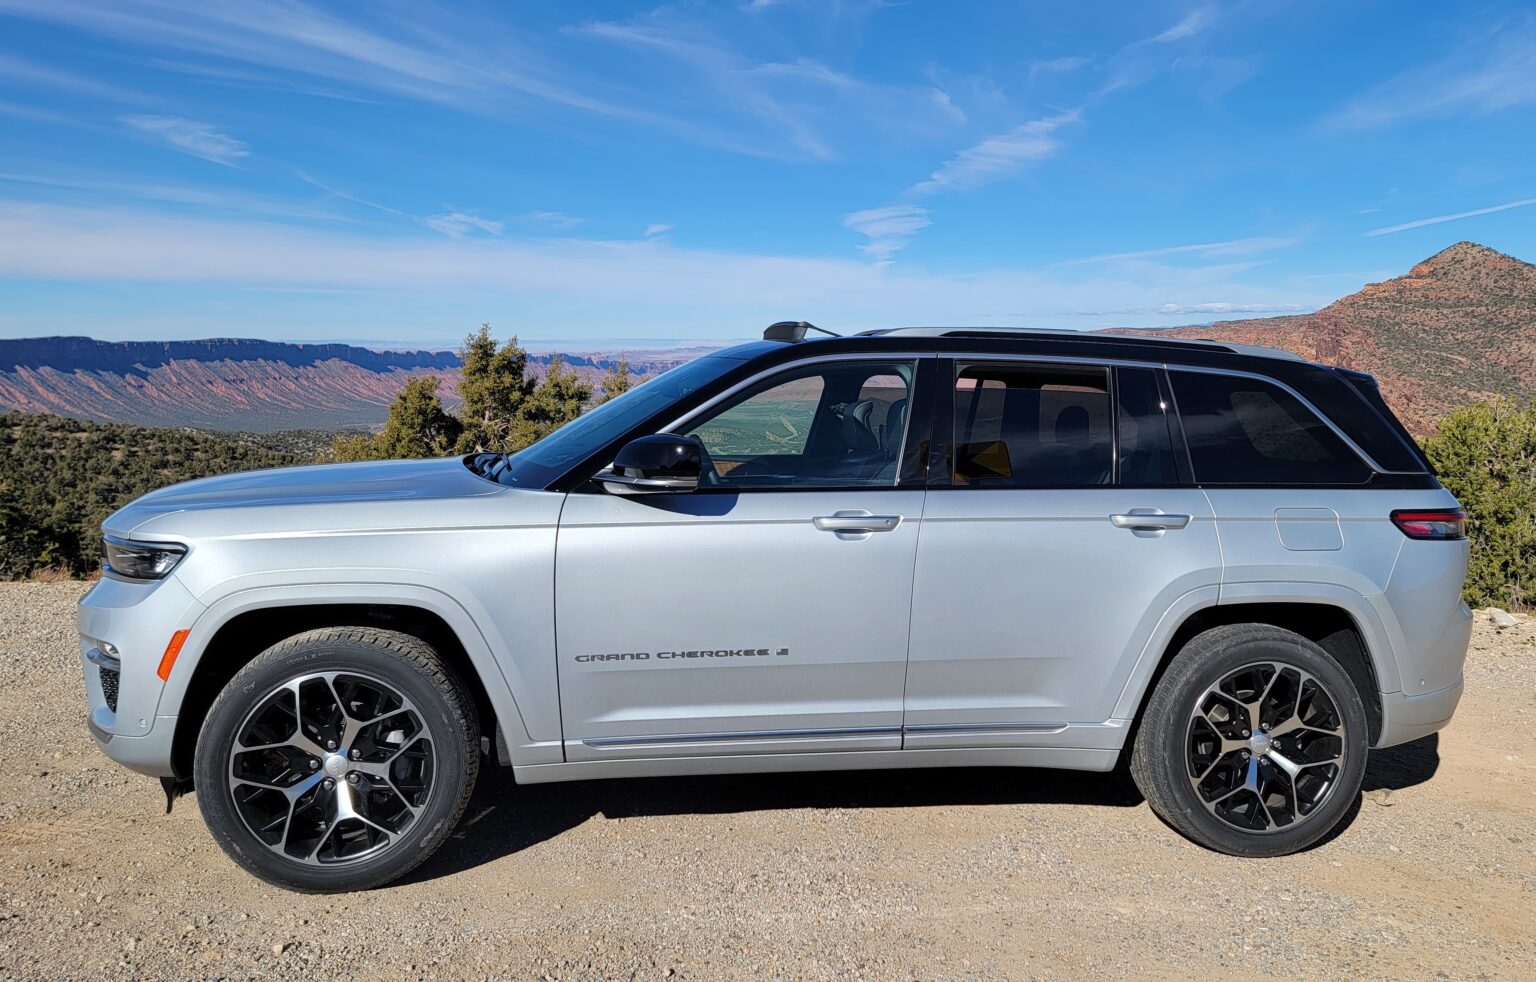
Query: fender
[
  {"x": 502, "y": 679},
  {"x": 1377, "y": 628}
]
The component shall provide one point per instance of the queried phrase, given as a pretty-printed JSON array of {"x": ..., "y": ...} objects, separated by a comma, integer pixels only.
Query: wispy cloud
[
  {"x": 457, "y": 224},
  {"x": 1055, "y": 65},
  {"x": 1485, "y": 74},
  {"x": 659, "y": 228},
  {"x": 554, "y": 219},
  {"x": 1191, "y": 24},
  {"x": 999, "y": 156},
  {"x": 888, "y": 229},
  {"x": 1231, "y": 248},
  {"x": 1197, "y": 309},
  {"x": 190, "y": 136},
  {"x": 591, "y": 283},
  {"x": 1458, "y": 216},
  {"x": 31, "y": 73}
]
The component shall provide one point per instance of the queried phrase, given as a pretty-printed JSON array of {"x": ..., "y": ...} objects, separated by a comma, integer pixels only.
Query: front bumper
[{"x": 134, "y": 620}]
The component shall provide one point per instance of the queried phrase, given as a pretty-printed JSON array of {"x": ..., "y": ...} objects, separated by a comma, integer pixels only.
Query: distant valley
[{"x": 241, "y": 384}]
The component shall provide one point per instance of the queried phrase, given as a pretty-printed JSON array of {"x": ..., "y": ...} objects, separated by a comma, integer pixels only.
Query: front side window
[
  {"x": 1245, "y": 431},
  {"x": 833, "y": 425},
  {"x": 1028, "y": 426}
]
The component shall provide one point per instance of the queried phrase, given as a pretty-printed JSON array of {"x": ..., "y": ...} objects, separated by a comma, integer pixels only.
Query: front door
[
  {"x": 1061, "y": 538},
  {"x": 766, "y": 612}
]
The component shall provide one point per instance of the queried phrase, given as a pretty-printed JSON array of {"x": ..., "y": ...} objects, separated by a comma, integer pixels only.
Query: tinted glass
[
  {"x": 1244, "y": 431},
  {"x": 547, "y": 459},
  {"x": 1146, "y": 449},
  {"x": 834, "y": 425},
  {"x": 1023, "y": 426}
]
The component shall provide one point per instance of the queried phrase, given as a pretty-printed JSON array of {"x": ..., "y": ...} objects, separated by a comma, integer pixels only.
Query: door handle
[
  {"x": 1148, "y": 520},
  {"x": 856, "y": 523}
]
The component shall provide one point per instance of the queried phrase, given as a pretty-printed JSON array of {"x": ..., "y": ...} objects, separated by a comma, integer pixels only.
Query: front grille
[{"x": 109, "y": 687}]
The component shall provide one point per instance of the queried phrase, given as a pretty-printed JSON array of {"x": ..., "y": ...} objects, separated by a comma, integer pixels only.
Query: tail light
[{"x": 1444, "y": 523}]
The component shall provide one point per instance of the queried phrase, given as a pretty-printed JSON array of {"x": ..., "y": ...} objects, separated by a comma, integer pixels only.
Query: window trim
[
  {"x": 1370, "y": 462},
  {"x": 941, "y": 461},
  {"x": 908, "y": 478}
]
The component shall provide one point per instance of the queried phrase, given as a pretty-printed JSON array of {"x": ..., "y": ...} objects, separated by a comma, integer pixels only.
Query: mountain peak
[{"x": 1464, "y": 255}]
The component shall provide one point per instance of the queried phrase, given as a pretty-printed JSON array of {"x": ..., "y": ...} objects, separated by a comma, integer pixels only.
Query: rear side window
[
  {"x": 1028, "y": 427},
  {"x": 1246, "y": 431}
]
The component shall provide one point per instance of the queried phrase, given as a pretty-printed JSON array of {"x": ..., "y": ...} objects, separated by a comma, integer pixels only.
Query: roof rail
[{"x": 1090, "y": 337}]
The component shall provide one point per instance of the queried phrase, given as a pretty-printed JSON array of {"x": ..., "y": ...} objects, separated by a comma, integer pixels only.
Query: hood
[{"x": 354, "y": 484}]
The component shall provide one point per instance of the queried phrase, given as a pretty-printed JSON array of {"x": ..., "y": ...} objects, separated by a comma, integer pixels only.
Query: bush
[{"x": 1485, "y": 455}]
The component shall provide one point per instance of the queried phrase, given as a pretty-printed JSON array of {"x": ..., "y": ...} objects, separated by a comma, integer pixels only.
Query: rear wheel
[
  {"x": 1254, "y": 742},
  {"x": 338, "y": 759}
]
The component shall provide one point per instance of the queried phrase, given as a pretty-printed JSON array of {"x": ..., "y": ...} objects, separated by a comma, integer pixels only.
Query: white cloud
[
  {"x": 1054, "y": 65},
  {"x": 1193, "y": 23},
  {"x": 1205, "y": 250},
  {"x": 999, "y": 156},
  {"x": 458, "y": 223},
  {"x": 888, "y": 229},
  {"x": 1486, "y": 74},
  {"x": 1458, "y": 216},
  {"x": 589, "y": 285},
  {"x": 659, "y": 228},
  {"x": 190, "y": 136}
]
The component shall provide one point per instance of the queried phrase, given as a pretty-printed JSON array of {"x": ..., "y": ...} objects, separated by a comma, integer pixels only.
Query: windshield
[{"x": 536, "y": 466}]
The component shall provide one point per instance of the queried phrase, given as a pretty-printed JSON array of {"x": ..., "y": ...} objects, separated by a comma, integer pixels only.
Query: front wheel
[
  {"x": 1254, "y": 742},
  {"x": 338, "y": 759}
]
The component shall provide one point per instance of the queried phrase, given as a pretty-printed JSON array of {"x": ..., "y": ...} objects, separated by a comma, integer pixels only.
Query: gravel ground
[{"x": 923, "y": 874}]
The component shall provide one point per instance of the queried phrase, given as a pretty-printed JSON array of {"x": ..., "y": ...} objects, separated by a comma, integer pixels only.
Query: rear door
[
  {"x": 767, "y": 612},
  {"x": 1058, "y": 530}
]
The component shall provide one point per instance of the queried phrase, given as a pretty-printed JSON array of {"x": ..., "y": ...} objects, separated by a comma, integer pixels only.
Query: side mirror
[{"x": 662, "y": 463}]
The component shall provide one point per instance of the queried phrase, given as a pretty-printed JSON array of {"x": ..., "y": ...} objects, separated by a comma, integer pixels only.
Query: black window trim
[
  {"x": 1369, "y": 461},
  {"x": 909, "y": 470},
  {"x": 941, "y": 458}
]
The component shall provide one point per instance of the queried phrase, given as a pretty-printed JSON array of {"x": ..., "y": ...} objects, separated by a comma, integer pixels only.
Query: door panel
[
  {"x": 1031, "y": 606},
  {"x": 731, "y": 623}
]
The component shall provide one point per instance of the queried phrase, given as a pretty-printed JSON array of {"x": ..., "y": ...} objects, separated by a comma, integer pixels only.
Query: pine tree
[
  {"x": 418, "y": 426},
  {"x": 616, "y": 381},
  {"x": 559, "y": 398},
  {"x": 493, "y": 387}
]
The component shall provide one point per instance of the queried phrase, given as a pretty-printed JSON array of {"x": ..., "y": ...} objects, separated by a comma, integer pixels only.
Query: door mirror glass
[{"x": 662, "y": 463}]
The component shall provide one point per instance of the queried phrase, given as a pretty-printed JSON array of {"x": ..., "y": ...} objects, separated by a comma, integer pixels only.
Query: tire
[
  {"x": 1269, "y": 791},
  {"x": 369, "y": 750}
]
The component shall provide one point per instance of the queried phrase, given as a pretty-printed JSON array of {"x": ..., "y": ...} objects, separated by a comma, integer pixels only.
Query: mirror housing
[{"x": 662, "y": 463}]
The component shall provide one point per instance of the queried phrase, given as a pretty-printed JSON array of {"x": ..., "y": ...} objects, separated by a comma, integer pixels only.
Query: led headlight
[{"x": 140, "y": 560}]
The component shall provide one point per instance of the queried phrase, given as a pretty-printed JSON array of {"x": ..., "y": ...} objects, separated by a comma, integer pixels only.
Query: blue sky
[{"x": 399, "y": 172}]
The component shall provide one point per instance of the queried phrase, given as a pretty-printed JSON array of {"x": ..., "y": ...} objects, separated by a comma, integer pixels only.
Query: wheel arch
[
  {"x": 1336, "y": 627},
  {"x": 234, "y": 631}
]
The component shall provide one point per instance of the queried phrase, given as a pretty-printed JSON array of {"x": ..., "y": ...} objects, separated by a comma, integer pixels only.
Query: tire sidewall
[
  {"x": 259, "y": 679},
  {"x": 1215, "y": 663}
]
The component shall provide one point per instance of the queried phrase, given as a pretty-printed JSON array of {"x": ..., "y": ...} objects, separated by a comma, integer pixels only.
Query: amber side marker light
[{"x": 171, "y": 651}]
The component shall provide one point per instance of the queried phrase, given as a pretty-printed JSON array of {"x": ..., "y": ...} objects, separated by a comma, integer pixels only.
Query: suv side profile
[{"x": 1227, "y": 568}]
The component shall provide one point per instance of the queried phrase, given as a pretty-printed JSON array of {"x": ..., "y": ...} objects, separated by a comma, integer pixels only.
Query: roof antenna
[{"x": 793, "y": 331}]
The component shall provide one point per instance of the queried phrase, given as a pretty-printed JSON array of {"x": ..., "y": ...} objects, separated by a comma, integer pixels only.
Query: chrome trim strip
[
  {"x": 935, "y": 728},
  {"x": 97, "y": 657},
  {"x": 598, "y": 743}
]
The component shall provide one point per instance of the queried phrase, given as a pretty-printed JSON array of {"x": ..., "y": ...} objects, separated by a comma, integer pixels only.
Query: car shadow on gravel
[{"x": 505, "y": 818}]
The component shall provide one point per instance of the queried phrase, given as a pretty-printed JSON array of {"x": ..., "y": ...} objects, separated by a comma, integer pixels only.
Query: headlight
[{"x": 140, "y": 560}]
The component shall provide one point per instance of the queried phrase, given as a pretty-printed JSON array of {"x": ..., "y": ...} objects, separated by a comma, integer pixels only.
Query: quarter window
[
  {"x": 1024, "y": 426},
  {"x": 832, "y": 425},
  {"x": 1246, "y": 431}
]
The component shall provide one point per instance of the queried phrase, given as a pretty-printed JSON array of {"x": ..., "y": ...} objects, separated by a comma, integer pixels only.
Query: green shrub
[{"x": 1485, "y": 455}]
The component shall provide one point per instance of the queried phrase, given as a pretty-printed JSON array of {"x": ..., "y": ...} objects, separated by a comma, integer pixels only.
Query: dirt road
[{"x": 933, "y": 874}]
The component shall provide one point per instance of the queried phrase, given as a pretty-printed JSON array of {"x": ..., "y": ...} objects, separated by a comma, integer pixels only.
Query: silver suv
[{"x": 1227, "y": 568}]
